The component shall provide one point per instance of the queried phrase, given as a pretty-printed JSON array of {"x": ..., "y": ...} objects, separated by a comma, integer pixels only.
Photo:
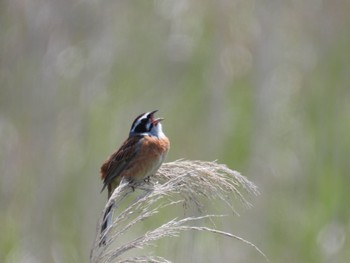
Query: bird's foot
[{"x": 147, "y": 179}]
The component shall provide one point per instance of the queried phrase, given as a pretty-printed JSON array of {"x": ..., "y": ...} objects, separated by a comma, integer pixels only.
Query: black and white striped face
[{"x": 146, "y": 124}]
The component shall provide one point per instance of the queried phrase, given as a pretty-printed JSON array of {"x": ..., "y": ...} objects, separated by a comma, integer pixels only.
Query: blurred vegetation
[{"x": 262, "y": 86}]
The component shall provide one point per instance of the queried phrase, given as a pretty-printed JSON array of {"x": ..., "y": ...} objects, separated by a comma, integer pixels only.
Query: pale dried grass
[{"x": 190, "y": 183}]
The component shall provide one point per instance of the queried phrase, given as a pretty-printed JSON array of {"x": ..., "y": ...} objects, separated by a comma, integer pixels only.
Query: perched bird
[
  {"x": 140, "y": 155},
  {"x": 137, "y": 159}
]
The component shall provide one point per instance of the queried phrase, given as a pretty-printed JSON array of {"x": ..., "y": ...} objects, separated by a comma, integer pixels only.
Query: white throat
[{"x": 157, "y": 131}]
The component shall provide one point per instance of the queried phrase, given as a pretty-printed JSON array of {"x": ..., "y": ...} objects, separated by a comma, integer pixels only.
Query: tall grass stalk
[{"x": 189, "y": 183}]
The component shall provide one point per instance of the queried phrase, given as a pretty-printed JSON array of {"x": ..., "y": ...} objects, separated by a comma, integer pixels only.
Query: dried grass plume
[{"x": 188, "y": 183}]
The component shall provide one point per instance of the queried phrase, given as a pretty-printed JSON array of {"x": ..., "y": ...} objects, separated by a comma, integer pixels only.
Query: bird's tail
[{"x": 106, "y": 223}]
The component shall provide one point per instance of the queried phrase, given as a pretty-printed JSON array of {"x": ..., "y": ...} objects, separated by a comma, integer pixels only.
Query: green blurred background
[{"x": 262, "y": 86}]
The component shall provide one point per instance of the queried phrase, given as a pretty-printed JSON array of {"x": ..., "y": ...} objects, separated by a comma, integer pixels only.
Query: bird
[
  {"x": 140, "y": 155},
  {"x": 138, "y": 158}
]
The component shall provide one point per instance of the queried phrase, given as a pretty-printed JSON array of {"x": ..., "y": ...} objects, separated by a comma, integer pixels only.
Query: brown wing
[{"x": 119, "y": 160}]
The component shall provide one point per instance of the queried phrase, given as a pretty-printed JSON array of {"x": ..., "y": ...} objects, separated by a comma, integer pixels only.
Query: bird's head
[{"x": 146, "y": 124}]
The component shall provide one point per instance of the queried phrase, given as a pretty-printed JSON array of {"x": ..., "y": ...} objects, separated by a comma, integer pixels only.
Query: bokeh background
[{"x": 262, "y": 86}]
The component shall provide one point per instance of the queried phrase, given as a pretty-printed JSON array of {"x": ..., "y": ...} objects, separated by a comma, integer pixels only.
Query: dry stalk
[{"x": 190, "y": 183}]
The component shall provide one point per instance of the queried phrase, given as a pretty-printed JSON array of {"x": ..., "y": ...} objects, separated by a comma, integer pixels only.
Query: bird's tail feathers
[{"x": 106, "y": 223}]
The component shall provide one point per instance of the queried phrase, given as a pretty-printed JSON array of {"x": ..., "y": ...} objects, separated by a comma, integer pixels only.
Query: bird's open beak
[
  {"x": 158, "y": 120},
  {"x": 153, "y": 112},
  {"x": 155, "y": 121}
]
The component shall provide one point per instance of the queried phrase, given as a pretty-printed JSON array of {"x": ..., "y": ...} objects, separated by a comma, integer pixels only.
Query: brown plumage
[{"x": 138, "y": 158}]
